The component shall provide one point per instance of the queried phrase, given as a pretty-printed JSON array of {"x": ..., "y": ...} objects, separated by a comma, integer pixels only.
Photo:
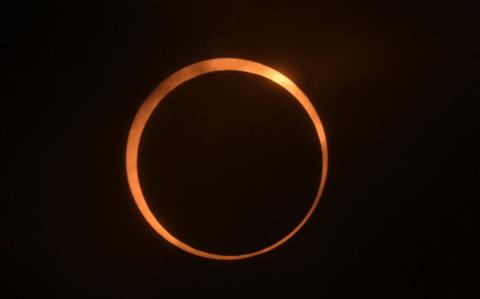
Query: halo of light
[{"x": 172, "y": 82}]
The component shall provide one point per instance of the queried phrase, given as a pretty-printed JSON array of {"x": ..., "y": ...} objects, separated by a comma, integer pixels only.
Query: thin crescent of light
[{"x": 172, "y": 82}]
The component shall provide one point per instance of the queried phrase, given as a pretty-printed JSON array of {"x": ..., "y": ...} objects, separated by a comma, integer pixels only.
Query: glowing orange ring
[{"x": 172, "y": 82}]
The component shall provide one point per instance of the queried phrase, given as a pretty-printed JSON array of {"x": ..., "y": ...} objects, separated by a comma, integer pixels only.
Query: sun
[{"x": 162, "y": 90}]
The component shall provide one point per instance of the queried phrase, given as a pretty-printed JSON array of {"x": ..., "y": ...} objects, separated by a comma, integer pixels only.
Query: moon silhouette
[{"x": 172, "y": 82}]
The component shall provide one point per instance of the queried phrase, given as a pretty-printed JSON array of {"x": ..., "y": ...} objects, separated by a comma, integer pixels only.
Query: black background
[{"x": 229, "y": 161}]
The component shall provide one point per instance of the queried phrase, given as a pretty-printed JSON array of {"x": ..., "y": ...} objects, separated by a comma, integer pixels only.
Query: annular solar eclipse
[{"x": 169, "y": 84}]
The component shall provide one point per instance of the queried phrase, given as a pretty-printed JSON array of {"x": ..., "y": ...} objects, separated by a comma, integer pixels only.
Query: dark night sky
[{"x": 230, "y": 162}]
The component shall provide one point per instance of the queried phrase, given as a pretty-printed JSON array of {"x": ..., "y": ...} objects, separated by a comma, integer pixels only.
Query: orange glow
[{"x": 172, "y": 82}]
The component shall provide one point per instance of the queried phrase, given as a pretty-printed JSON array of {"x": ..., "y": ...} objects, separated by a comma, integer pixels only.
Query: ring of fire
[{"x": 172, "y": 82}]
